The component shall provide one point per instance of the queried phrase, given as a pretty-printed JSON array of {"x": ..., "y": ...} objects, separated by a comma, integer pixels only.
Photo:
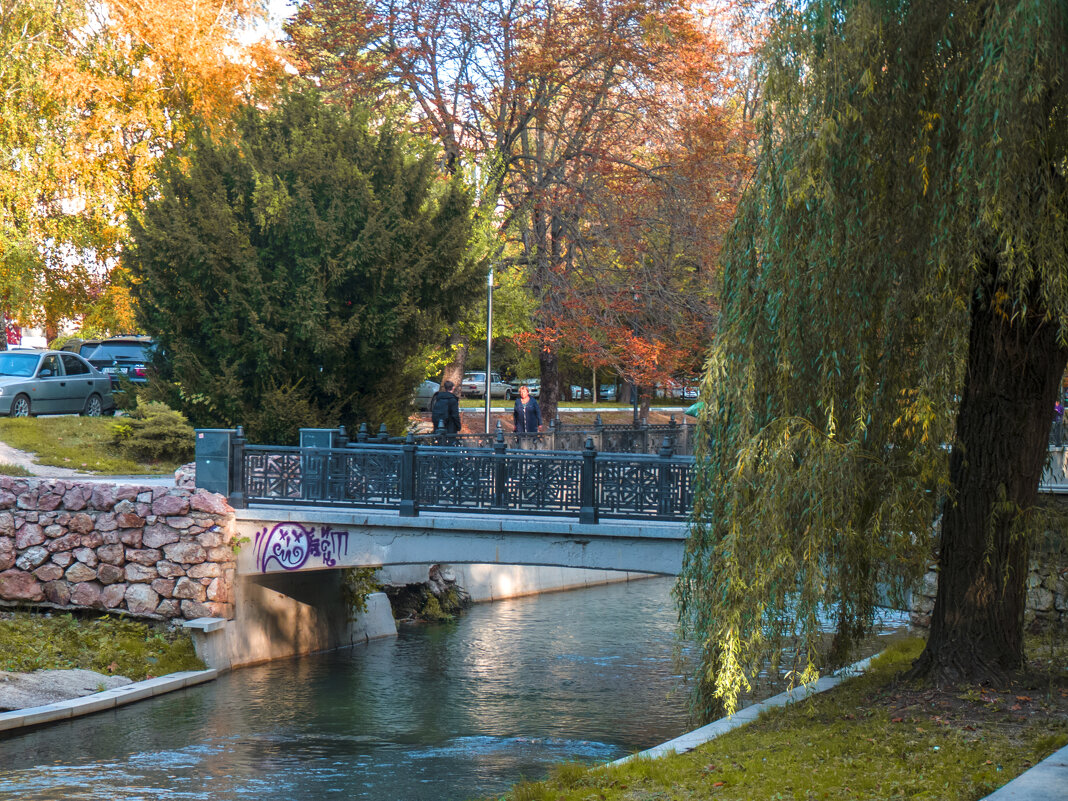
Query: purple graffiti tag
[
  {"x": 288, "y": 544},
  {"x": 291, "y": 545}
]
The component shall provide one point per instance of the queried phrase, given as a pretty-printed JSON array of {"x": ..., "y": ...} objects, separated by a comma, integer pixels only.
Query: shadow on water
[{"x": 453, "y": 711}]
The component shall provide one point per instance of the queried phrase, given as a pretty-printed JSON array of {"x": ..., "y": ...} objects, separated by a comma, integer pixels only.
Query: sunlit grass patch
[
  {"x": 105, "y": 644},
  {"x": 80, "y": 443},
  {"x": 13, "y": 470}
]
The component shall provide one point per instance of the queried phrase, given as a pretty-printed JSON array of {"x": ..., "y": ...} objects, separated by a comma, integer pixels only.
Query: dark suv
[{"x": 123, "y": 356}]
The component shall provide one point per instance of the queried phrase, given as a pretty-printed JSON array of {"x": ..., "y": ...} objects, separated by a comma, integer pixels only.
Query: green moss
[
  {"x": 356, "y": 584},
  {"x": 432, "y": 610},
  {"x": 105, "y": 644}
]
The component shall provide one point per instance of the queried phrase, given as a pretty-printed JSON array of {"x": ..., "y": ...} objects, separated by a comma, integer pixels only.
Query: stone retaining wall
[{"x": 158, "y": 552}]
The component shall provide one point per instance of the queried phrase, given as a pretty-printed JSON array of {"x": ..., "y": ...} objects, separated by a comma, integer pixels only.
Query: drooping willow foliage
[{"x": 912, "y": 159}]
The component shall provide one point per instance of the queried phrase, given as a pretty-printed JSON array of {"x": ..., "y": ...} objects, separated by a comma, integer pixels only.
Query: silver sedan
[{"x": 51, "y": 382}]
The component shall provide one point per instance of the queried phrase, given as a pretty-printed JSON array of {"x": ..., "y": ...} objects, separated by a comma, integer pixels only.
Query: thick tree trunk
[
  {"x": 454, "y": 370},
  {"x": 1014, "y": 372},
  {"x": 549, "y": 401}
]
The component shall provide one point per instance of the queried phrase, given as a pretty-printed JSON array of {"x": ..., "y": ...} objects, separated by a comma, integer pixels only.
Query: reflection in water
[{"x": 442, "y": 712}]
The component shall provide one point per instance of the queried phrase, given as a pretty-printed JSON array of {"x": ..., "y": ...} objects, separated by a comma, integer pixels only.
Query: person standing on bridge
[
  {"x": 445, "y": 410},
  {"x": 526, "y": 415}
]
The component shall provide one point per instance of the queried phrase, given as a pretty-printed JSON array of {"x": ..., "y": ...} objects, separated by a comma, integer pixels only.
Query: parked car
[
  {"x": 423, "y": 393},
  {"x": 606, "y": 392},
  {"x": 578, "y": 393},
  {"x": 52, "y": 382},
  {"x": 123, "y": 356},
  {"x": 533, "y": 384},
  {"x": 83, "y": 347},
  {"x": 474, "y": 386}
]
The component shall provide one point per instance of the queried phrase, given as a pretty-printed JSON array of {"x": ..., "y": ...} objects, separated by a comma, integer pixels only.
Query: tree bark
[
  {"x": 454, "y": 370},
  {"x": 1014, "y": 371}
]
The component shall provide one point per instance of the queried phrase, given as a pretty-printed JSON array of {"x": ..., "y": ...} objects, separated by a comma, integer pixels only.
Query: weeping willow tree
[{"x": 894, "y": 331}]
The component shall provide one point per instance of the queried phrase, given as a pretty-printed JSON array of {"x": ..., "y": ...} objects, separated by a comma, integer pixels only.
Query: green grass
[
  {"x": 856, "y": 741},
  {"x": 478, "y": 403},
  {"x": 110, "y": 645},
  {"x": 80, "y": 443},
  {"x": 13, "y": 470}
]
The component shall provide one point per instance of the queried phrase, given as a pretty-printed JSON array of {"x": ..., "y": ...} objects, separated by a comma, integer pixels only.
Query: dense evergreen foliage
[
  {"x": 292, "y": 275},
  {"x": 896, "y": 283}
]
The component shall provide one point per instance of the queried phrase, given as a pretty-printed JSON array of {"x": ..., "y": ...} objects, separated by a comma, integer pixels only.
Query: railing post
[
  {"x": 664, "y": 502},
  {"x": 237, "y": 469},
  {"x": 341, "y": 438},
  {"x": 439, "y": 434},
  {"x": 500, "y": 469},
  {"x": 587, "y": 488},
  {"x": 598, "y": 430},
  {"x": 362, "y": 435},
  {"x": 408, "y": 506}
]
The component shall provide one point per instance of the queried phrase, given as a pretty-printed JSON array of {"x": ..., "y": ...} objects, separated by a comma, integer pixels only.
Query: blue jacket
[{"x": 526, "y": 420}]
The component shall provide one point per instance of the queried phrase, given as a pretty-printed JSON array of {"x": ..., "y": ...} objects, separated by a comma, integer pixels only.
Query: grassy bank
[
  {"x": 80, "y": 443},
  {"x": 109, "y": 645},
  {"x": 873, "y": 737}
]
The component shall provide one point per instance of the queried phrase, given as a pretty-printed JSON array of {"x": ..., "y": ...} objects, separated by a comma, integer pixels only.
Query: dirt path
[{"x": 25, "y": 459}]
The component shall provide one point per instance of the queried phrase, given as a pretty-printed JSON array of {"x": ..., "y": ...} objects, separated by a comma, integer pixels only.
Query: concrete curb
[
  {"x": 1046, "y": 781},
  {"x": 690, "y": 740},
  {"x": 108, "y": 699}
]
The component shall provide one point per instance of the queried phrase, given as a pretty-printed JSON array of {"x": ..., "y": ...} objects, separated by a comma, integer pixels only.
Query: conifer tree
[{"x": 293, "y": 274}]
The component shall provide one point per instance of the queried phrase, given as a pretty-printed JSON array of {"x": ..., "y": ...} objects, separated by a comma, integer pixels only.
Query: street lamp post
[{"x": 489, "y": 344}]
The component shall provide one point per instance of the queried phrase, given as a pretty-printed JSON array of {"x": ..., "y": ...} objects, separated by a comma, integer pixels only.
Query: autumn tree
[
  {"x": 293, "y": 270},
  {"x": 533, "y": 94},
  {"x": 895, "y": 284}
]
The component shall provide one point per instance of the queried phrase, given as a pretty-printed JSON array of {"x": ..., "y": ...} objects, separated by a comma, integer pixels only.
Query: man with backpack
[{"x": 445, "y": 409}]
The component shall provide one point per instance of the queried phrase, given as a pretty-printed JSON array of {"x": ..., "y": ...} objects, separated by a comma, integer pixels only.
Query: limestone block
[
  {"x": 61, "y": 519},
  {"x": 220, "y": 591},
  {"x": 113, "y": 595},
  {"x": 18, "y": 585},
  {"x": 195, "y": 609},
  {"x": 188, "y": 553},
  {"x": 87, "y": 556},
  {"x": 113, "y": 537},
  {"x": 27, "y": 499},
  {"x": 141, "y": 599},
  {"x": 48, "y": 572},
  {"x": 32, "y": 557},
  {"x": 169, "y": 608},
  {"x": 212, "y": 538},
  {"x": 182, "y": 523},
  {"x": 112, "y": 553},
  {"x": 7, "y": 499},
  {"x": 189, "y": 589},
  {"x": 110, "y": 574},
  {"x": 134, "y": 537},
  {"x": 170, "y": 504},
  {"x": 127, "y": 492},
  {"x": 222, "y": 554},
  {"x": 210, "y": 502},
  {"x": 1040, "y": 599},
  {"x": 106, "y": 522},
  {"x": 53, "y": 530},
  {"x": 94, "y": 539},
  {"x": 63, "y": 558},
  {"x": 66, "y": 543},
  {"x": 129, "y": 519},
  {"x": 123, "y": 504},
  {"x": 217, "y": 609},
  {"x": 169, "y": 569},
  {"x": 77, "y": 497},
  {"x": 158, "y": 535},
  {"x": 147, "y": 556},
  {"x": 7, "y": 524},
  {"x": 48, "y": 501},
  {"x": 7, "y": 553},
  {"x": 165, "y": 587},
  {"x": 28, "y": 535},
  {"x": 78, "y": 573},
  {"x": 82, "y": 523},
  {"x": 205, "y": 570},
  {"x": 88, "y": 594},
  {"x": 57, "y": 592},
  {"x": 136, "y": 573}
]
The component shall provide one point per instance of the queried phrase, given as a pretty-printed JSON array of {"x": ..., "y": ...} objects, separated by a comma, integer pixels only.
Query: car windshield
[
  {"x": 21, "y": 364},
  {"x": 475, "y": 377},
  {"x": 120, "y": 351}
]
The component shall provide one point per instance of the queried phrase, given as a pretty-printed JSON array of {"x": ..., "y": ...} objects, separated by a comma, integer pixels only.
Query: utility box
[
  {"x": 213, "y": 459},
  {"x": 318, "y": 438}
]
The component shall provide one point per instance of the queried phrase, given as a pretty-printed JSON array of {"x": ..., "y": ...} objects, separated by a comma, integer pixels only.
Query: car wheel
[
  {"x": 508, "y": 394},
  {"x": 20, "y": 407},
  {"x": 94, "y": 407}
]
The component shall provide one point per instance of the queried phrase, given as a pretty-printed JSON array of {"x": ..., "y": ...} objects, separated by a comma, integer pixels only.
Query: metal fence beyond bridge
[{"x": 411, "y": 476}]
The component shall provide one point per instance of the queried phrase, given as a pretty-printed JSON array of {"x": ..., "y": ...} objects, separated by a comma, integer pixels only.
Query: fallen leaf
[
  {"x": 897, "y": 720},
  {"x": 719, "y": 784},
  {"x": 1023, "y": 698}
]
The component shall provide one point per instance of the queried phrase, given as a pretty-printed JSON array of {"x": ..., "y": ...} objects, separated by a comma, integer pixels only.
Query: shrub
[{"x": 155, "y": 432}]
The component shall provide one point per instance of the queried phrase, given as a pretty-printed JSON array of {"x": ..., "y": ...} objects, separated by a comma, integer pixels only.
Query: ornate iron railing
[{"x": 411, "y": 477}]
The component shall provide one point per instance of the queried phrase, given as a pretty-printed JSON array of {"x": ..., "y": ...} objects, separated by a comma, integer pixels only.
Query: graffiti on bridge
[{"x": 291, "y": 545}]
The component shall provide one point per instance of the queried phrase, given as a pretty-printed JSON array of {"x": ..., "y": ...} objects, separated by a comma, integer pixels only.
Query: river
[{"x": 441, "y": 713}]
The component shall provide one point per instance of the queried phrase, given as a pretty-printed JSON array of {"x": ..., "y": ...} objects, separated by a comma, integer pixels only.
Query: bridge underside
[{"x": 290, "y": 539}]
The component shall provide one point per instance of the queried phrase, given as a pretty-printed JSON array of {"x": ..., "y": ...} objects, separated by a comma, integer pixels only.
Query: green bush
[{"x": 154, "y": 432}]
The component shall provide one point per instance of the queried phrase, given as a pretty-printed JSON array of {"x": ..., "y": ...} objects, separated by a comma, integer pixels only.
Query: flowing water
[{"x": 447, "y": 712}]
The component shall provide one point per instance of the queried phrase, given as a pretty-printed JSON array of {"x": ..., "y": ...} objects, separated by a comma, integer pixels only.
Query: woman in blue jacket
[{"x": 526, "y": 415}]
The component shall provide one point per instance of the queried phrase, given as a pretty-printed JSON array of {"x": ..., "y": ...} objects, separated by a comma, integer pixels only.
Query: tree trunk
[
  {"x": 1014, "y": 372},
  {"x": 550, "y": 383},
  {"x": 454, "y": 370}
]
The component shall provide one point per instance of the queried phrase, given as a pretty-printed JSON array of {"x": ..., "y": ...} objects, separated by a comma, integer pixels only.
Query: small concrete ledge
[
  {"x": 108, "y": 699},
  {"x": 205, "y": 624},
  {"x": 1046, "y": 781}
]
